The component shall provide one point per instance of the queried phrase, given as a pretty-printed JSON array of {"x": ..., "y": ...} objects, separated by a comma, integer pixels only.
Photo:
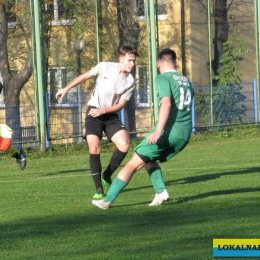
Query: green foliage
[
  {"x": 227, "y": 99},
  {"x": 238, "y": 131},
  {"x": 228, "y": 71},
  {"x": 228, "y": 104}
]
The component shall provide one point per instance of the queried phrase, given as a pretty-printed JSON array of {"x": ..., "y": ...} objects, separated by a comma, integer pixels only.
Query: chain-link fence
[
  {"x": 66, "y": 121},
  {"x": 67, "y": 118},
  {"x": 23, "y": 123},
  {"x": 229, "y": 105}
]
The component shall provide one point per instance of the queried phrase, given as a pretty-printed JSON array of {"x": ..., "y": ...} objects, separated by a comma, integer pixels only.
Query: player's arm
[
  {"x": 162, "y": 119},
  {"x": 81, "y": 78},
  {"x": 115, "y": 108}
]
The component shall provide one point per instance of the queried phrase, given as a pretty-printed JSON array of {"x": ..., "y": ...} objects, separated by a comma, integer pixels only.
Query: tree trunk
[
  {"x": 129, "y": 32},
  {"x": 12, "y": 84},
  {"x": 221, "y": 32}
]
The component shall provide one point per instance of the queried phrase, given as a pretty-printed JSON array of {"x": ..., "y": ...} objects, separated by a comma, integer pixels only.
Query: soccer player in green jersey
[{"x": 169, "y": 136}]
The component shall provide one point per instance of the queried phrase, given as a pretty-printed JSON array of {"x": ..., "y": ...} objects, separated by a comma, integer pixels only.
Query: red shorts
[{"x": 5, "y": 137}]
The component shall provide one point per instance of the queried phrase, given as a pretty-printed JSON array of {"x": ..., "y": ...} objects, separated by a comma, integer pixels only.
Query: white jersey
[{"x": 110, "y": 85}]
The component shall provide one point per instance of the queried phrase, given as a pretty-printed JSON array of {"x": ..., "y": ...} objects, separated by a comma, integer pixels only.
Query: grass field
[{"x": 214, "y": 183}]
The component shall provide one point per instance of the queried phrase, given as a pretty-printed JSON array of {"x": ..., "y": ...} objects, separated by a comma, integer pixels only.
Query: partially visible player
[
  {"x": 114, "y": 87},
  {"x": 6, "y": 143},
  {"x": 169, "y": 136},
  {"x": 6, "y": 146}
]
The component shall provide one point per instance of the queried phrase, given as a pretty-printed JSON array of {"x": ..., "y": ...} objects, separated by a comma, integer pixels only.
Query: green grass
[{"x": 214, "y": 183}]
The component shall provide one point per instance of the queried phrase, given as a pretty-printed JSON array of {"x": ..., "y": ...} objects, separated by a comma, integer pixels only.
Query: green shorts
[{"x": 166, "y": 147}]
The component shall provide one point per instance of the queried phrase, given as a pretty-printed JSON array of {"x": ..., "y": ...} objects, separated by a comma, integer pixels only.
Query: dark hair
[
  {"x": 167, "y": 55},
  {"x": 122, "y": 51}
]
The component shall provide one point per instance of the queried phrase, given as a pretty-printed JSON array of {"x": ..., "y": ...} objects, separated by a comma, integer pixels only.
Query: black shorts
[{"x": 108, "y": 123}]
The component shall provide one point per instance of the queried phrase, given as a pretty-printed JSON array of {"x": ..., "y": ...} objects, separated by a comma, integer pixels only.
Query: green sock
[
  {"x": 116, "y": 187},
  {"x": 157, "y": 179},
  {"x": 11, "y": 150}
]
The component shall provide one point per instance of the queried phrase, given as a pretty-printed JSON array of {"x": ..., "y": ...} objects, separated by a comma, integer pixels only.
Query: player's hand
[
  {"x": 153, "y": 137},
  {"x": 61, "y": 93},
  {"x": 95, "y": 112}
]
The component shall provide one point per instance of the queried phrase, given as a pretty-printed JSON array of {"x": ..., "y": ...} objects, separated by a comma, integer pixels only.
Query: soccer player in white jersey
[{"x": 114, "y": 87}]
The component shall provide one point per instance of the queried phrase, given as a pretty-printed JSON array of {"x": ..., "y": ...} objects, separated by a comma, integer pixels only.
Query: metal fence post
[
  {"x": 210, "y": 67},
  {"x": 257, "y": 35},
  {"x": 193, "y": 115},
  {"x": 47, "y": 131},
  {"x": 38, "y": 49},
  {"x": 153, "y": 46},
  {"x": 255, "y": 100}
]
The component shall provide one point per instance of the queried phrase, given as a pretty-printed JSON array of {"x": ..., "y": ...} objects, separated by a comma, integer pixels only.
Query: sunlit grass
[{"x": 46, "y": 210}]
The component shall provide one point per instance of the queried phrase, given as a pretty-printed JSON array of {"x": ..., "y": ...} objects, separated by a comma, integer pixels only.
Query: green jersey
[{"x": 176, "y": 86}]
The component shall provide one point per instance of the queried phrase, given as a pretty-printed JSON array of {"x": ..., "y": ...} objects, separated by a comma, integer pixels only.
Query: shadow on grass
[
  {"x": 67, "y": 171},
  {"x": 216, "y": 193},
  {"x": 72, "y": 171},
  {"x": 208, "y": 177},
  {"x": 200, "y": 178},
  {"x": 123, "y": 231},
  {"x": 196, "y": 197},
  {"x": 49, "y": 173}
]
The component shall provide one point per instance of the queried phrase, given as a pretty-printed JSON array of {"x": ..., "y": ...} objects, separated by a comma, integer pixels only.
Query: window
[
  {"x": 140, "y": 6},
  {"x": 58, "y": 77},
  {"x": 10, "y": 16},
  {"x": 60, "y": 11},
  {"x": 142, "y": 86}
]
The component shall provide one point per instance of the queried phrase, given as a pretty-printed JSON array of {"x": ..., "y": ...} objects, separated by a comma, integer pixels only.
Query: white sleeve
[{"x": 96, "y": 70}]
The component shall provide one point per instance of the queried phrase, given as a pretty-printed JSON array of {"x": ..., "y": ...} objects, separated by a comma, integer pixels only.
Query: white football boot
[
  {"x": 160, "y": 198},
  {"x": 101, "y": 204}
]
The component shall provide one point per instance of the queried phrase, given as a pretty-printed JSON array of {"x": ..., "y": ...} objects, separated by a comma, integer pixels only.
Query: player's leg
[
  {"x": 93, "y": 138},
  {"x": 95, "y": 163},
  {"x": 155, "y": 173},
  {"x": 121, "y": 140},
  {"x": 149, "y": 154},
  {"x": 19, "y": 156},
  {"x": 118, "y": 135},
  {"x": 121, "y": 181},
  {"x": 6, "y": 146},
  {"x": 154, "y": 170}
]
